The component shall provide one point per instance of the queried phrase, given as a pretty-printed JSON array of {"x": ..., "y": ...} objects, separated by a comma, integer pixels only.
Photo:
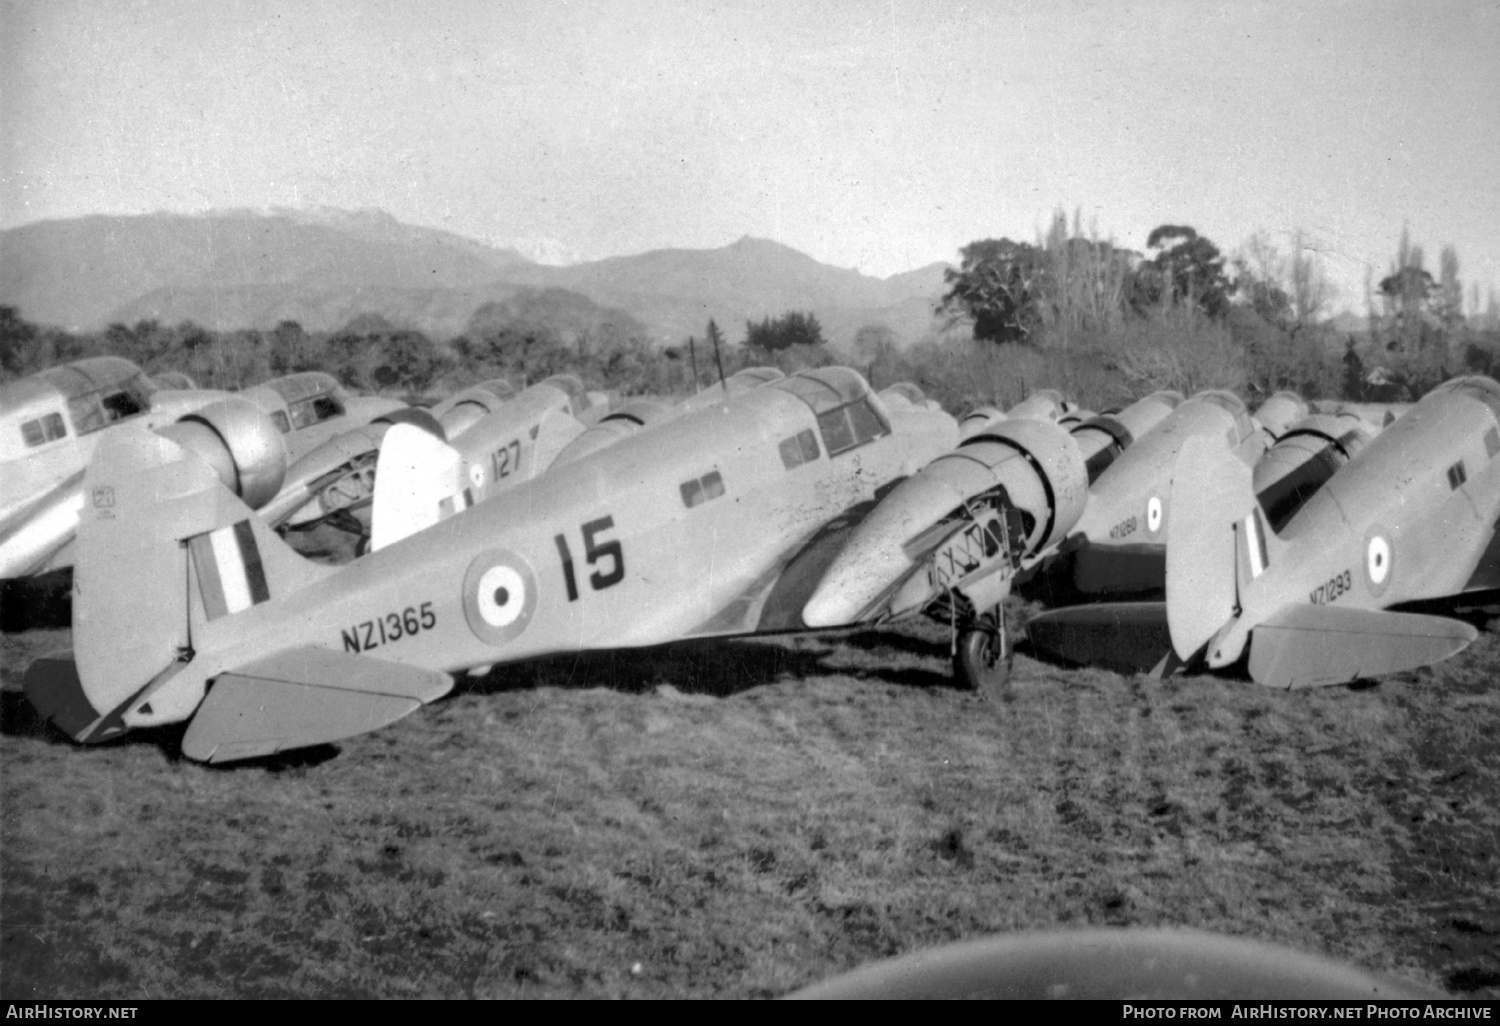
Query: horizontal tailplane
[
  {"x": 1307, "y": 646},
  {"x": 302, "y": 697}
]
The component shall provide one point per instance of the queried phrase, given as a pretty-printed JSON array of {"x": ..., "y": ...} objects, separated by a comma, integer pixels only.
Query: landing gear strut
[{"x": 981, "y": 661}]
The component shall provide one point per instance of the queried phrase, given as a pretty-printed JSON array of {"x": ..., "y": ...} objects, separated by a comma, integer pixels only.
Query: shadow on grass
[
  {"x": 715, "y": 666},
  {"x": 19, "y": 718},
  {"x": 42, "y": 602}
]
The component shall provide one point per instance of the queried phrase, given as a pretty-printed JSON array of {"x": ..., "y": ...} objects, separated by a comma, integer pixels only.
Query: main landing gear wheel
[{"x": 982, "y": 661}]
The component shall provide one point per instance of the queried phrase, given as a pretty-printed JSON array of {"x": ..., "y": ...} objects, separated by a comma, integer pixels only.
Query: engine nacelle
[
  {"x": 979, "y": 419},
  {"x": 1278, "y": 413},
  {"x": 175, "y": 381},
  {"x": 1304, "y": 458},
  {"x": 1042, "y": 470},
  {"x": 630, "y": 419},
  {"x": 1103, "y": 438},
  {"x": 1046, "y": 404},
  {"x": 458, "y": 413},
  {"x": 963, "y": 521},
  {"x": 237, "y": 439},
  {"x": 416, "y": 417}
]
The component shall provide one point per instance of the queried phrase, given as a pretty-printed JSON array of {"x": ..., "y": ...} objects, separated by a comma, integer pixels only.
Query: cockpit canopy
[
  {"x": 842, "y": 402},
  {"x": 299, "y": 400},
  {"x": 95, "y": 392}
]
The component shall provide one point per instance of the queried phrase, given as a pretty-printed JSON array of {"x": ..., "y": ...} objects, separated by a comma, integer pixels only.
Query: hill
[{"x": 242, "y": 268}]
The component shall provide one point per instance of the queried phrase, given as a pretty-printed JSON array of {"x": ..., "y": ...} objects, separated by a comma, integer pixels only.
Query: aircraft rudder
[{"x": 1211, "y": 493}]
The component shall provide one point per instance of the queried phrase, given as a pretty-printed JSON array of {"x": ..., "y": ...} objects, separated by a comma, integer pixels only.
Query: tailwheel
[{"x": 981, "y": 661}]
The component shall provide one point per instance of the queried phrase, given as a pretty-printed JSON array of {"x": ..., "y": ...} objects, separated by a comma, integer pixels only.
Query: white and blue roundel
[
  {"x": 1153, "y": 514},
  {"x": 1378, "y": 559},
  {"x": 499, "y": 596}
]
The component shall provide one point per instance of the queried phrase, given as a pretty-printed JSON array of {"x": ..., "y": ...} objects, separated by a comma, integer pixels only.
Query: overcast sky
[{"x": 882, "y": 136}]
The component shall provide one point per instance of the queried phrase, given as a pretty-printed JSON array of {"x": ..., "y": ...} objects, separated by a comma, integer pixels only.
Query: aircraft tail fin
[
  {"x": 161, "y": 546},
  {"x": 1306, "y": 646},
  {"x": 419, "y": 481},
  {"x": 1212, "y": 492}
]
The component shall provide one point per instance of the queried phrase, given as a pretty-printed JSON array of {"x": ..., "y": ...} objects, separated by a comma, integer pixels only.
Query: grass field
[{"x": 738, "y": 819}]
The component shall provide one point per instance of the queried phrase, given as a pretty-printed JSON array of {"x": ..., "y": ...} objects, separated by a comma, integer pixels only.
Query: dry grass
[{"x": 743, "y": 818}]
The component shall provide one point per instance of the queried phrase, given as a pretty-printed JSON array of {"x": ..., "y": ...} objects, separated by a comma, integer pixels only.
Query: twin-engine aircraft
[
  {"x": 1330, "y": 594},
  {"x": 189, "y": 608},
  {"x": 51, "y": 422},
  {"x": 1129, "y": 632},
  {"x": 49, "y": 425},
  {"x": 950, "y": 541}
]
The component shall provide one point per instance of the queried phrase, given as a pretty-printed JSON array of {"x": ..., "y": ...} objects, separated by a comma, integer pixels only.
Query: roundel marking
[
  {"x": 1378, "y": 559},
  {"x": 1153, "y": 514},
  {"x": 476, "y": 475},
  {"x": 499, "y": 596}
]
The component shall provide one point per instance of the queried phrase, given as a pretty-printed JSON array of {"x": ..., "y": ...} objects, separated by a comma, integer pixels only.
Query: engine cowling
[
  {"x": 630, "y": 419},
  {"x": 1020, "y": 486},
  {"x": 237, "y": 439},
  {"x": 459, "y": 413},
  {"x": 979, "y": 419},
  {"x": 1282, "y": 410},
  {"x": 1305, "y": 457},
  {"x": 416, "y": 417},
  {"x": 1045, "y": 404},
  {"x": 1104, "y": 437}
]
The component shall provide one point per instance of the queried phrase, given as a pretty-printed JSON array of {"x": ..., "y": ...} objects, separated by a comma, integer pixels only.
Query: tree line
[
  {"x": 1184, "y": 315},
  {"x": 529, "y": 336}
]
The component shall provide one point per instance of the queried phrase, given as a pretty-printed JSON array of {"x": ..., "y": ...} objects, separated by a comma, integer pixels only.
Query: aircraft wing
[
  {"x": 301, "y": 697},
  {"x": 1131, "y": 637}
]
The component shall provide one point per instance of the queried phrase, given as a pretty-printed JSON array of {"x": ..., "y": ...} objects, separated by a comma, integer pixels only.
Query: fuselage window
[
  {"x": 701, "y": 490},
  {"x": 799, "y": 449},
  {"x": 1492, "y": 442},
  {"x": 1456, "y": 475},
  {"x": 851, "y": 426},
  {"x": 44, "y": 429}
]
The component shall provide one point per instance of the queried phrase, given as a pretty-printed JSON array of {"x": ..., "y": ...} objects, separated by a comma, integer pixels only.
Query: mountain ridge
[{"x": 251, "y": 268}]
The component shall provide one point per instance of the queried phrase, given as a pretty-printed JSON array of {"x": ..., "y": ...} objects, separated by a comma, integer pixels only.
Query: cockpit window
[
  {"x": 851, "y": 426},
  {"x": 841, "y": 400},
  {"x": 86, "y": 413},
  {"x": 119, "y": 405},
  {"x": 278, "y": 417},
  {"x": 307, "y": 412}
]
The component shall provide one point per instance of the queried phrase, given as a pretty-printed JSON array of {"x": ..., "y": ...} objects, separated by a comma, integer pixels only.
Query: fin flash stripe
[
  {"x": 230, "y": 575},
  {"x": 1255, "y": 544}
]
